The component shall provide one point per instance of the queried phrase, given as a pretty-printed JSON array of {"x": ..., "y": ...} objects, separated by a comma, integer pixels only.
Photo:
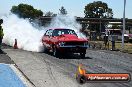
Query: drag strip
[
  {"x": 4, "y": 58},
  {"x": 44, "y": 70},
  {"x": 10, "y": 75}
]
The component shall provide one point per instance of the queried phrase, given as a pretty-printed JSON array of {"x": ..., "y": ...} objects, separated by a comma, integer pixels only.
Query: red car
[{"x": 60, "y": 40}]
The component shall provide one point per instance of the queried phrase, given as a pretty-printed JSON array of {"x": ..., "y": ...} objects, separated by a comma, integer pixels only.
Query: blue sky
[{"x": 73, "y": 7}]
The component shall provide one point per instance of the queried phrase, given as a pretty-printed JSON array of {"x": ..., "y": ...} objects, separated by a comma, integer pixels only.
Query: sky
[{"x": 73, "y": 7}]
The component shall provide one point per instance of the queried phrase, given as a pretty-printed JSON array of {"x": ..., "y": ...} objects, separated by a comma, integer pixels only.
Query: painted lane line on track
[
  {"x": 20, "y": 75},
  {"x": 10, "y": 76}
]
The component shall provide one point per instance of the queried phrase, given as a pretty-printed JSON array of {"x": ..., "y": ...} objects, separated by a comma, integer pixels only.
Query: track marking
[{"x": 20, "y": 75}]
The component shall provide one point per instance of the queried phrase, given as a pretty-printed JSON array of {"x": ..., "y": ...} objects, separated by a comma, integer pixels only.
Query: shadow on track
[
  {"x": 72, "y": 56},
  {"x": 2, "y": 52},
  {"x": 68, "y": 56}
]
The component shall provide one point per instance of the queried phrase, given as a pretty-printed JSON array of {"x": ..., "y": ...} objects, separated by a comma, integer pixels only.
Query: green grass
[{"x": 127, "y": 46}]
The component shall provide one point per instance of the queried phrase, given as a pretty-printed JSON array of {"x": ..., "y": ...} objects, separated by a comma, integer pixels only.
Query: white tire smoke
[{"x": 28, "y": 37}]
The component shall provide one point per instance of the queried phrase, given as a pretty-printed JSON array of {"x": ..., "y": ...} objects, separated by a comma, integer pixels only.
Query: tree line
[
  {"x": 96, "y": 9},
  {"x": 28, "y": 11}
]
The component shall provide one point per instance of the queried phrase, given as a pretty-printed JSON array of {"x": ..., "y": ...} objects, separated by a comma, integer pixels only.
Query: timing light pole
[{"x": 123, "y": 25}]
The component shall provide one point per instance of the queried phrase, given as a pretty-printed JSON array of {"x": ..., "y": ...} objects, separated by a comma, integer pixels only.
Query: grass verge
[{"x": 100, "y": 44}]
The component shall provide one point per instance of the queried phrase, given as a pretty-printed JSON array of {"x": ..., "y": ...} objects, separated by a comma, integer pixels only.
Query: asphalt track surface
[
  {"x": 44, "y": 70},
  {"x": 10, "y": 75}
]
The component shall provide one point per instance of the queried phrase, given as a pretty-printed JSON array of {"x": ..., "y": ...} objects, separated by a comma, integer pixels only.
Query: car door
[
  {"x": 50, "y": 42},
  {"x": 45, "y": 39}
]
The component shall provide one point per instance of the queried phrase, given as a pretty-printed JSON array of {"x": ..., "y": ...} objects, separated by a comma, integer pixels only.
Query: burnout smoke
[
  {"x": 68, "y": 22},
  {"x": 29, "y": 37}
]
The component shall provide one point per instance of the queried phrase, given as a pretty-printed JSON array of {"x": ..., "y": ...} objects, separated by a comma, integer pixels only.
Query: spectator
[
  {"x": 106, "y": 38},
  {"x": 1, "y": 33}
]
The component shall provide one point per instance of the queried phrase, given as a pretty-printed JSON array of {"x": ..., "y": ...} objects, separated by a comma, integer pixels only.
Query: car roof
[
  {"x": 58, "y": 28},
  {"x": 112, "y": 29}
]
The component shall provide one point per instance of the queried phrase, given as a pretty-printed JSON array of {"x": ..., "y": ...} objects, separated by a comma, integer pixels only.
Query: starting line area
[{"x": 10, "y": 77}]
